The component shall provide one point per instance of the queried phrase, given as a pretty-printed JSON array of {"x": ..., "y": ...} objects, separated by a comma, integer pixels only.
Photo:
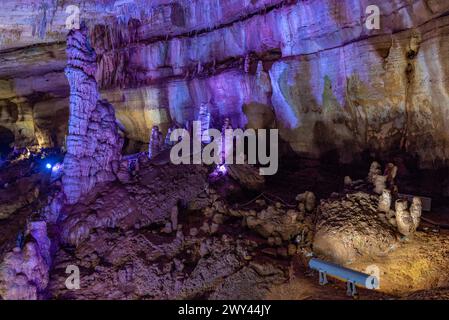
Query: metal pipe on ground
[{"x": 351, "y": 277}]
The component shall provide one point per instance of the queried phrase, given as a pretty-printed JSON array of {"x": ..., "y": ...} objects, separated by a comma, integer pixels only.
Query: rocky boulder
[{"x": 350, "y": 227}]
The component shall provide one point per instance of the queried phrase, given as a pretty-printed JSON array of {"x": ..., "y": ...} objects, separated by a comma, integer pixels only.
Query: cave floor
[
  {"x": 418, "y": 268},
  {"x": 420, "y": 264}
]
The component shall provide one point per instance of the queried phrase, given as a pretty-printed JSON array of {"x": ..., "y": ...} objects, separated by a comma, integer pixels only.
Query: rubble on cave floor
[
  {"x": 164, "y": 232},
  {"x": 222, "y": 249},
  {"x": 188, "y": 253},
  {"x": 25, "y": 184}
]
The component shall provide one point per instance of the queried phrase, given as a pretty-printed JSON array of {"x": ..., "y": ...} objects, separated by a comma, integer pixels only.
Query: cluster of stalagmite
[
  {"x": 404, "y": 218},
  {"x": 367, "y": 218},
  {"x": 93, "y": 143},
  {"x": 382, "y": 180},
  {"x": 407, "y": 219}
]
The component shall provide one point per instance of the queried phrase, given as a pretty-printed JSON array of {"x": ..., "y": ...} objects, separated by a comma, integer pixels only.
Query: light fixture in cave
[
  {"x": 56, "y": 168},
  {"x": 219, "y": 171},
  {"x": 222, "y": 169}
]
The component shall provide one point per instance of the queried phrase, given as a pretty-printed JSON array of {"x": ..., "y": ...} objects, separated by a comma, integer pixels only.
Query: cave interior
[{"x": 344, "y": 110}]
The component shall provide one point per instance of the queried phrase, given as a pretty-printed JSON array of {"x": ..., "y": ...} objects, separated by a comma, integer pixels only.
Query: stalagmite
[
  {"x": 156, "y": 142},
  {"x": 390, "y": 172},
  {"x": 259, "y": 69},
  {"x": 247, "y": 63},
  {"x": 379, "y": 182},
  {"x": 416, "y": 210},
  {"x": 226, "y": 145},
  {"x": 385, "y": 201},
  {"x": 174, "y": 217},
  {"x": 93, "y": 143},
  {"x": 347, "y": 181},
  {"x": 308, "y": 199},
  {"x": 24, "y": 272},
  {"x": 404, "y": 220},
  {"x": 168, "y": 143},
  {"x": 374, "y": 170}
]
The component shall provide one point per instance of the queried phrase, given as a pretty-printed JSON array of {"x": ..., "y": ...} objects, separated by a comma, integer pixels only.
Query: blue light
[{"x": 48, "y": 166}]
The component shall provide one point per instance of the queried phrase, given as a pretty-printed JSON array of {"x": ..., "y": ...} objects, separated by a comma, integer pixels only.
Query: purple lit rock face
[
  {"x": 93, "y": 142},
  {"x": 86, "y": 178},
  {"x": 325, "y": 75},
  {"x": 24, "y": 271}
]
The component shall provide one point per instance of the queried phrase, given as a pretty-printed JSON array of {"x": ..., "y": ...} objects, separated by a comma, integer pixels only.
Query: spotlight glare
[{"x": 222, "y": 169}]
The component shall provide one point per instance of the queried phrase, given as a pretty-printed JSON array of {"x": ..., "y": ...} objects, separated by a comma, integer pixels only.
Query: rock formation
[
  {"x": 374, "y": 170},
  {"x": 348, "y": 228},
  {"x": 385, "y": 201},
  {"x": 382, "y": 181},
  {"x": 204, "y": 118},
  {"x": 164, "y": 63},
  {"x": 379, "y": 183},
  {"x": 416, "y": 210},
  {"x": 93, "y": 144},
  {"x": 156, "y": 142},
  {"x": 148, "y": 200},
  {"x": 406, "y": 222},
  {"x": 308, "y": 200},
  {"x": 24, "y": 271},
  {"x": 143, "y": 228},
  {"x": 137, "y": 245},
  {"x": 246, "y": 175},
  {"x": 390, "y": 172}
]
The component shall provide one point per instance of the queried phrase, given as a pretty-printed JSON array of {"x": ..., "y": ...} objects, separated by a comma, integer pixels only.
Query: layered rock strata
[{"x": 334, "y": 85}]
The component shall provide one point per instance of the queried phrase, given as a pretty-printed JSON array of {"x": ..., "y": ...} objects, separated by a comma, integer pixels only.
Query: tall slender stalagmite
[{"x": 93, "y": 143}]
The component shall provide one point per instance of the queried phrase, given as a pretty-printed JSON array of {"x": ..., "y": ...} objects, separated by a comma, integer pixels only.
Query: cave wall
[{"x": 334, "y": 85}]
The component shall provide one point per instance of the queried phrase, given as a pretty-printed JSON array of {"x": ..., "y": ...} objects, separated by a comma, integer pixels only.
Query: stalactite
[
  {"x": 247, "y": 63},
  {"x": 204, "y": 118}
]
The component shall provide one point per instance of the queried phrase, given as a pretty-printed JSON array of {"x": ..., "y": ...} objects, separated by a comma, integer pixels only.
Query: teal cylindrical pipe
[{"x": 345, "y": 274}]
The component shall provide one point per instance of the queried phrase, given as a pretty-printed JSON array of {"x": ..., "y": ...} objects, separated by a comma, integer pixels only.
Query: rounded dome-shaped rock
[{"x": 350, "y": 227}]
